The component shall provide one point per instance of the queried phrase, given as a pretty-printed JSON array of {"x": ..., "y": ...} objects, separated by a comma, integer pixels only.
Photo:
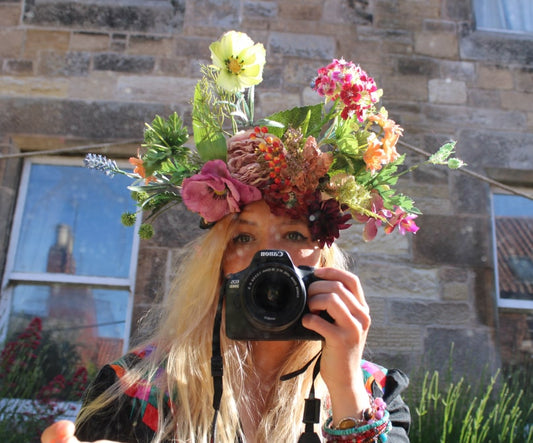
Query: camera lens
[{"x": 273, "y": 297}]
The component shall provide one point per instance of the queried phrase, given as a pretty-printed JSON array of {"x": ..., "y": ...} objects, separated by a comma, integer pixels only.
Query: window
[
  {"x": 513, "y": 230},
  {"x": 500, "y": 15},
  {"x": 71, "y": 263}
]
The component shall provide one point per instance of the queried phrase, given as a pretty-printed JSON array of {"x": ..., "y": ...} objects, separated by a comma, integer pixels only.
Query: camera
[{"x": 266, "y": 301}]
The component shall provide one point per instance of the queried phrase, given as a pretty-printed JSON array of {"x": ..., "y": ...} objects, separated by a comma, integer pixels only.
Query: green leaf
[
  {"x": 208, "y": 134},
  {"x": 308, "y": 118}
]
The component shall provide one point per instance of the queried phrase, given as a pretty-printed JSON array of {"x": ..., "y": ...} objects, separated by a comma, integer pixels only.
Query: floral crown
[{"x": 327, "y": 164}]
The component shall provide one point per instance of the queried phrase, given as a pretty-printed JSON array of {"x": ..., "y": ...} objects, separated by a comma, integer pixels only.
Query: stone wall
[{"x": 83, "y": 71}]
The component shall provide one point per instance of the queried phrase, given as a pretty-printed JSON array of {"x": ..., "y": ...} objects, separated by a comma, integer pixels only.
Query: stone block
[
  {"x": 417, "y": 66},
  {"x": 77, "y": 118},
  {"x": 440, "y": 45},
  {"x": 458, "y": 70},
  {"x": 119, "y": 42},
  {"x": 494, "y": 77},
  {"x": 514, "y": 100},
  {"x": 89, "y": 41},
  {"x": 18, "y": 67},
  {"x": 447, "y": 91},
  {"x": 11, "y": 43},
  {"x": 71, "y": 64},
  {"x": 150, "y": 284},
  {"x": 302, "y": 46},
  {"x": 409, "y": 88},
  {"x": 505, "y": 49},
  {"x": 301, "y": 9},
  {"x": 456, "y": 240},
  {"x": 156, "y": 89},
  {"x": 468, "y": 352},
  {"x": 99, "y": 85},
  {"x": 260, "y": 9},
  {"x": 447, "y": 26},
  {"x": 37, "y": 87},
  {"x": 412, "y": 312},
  {"x": 223, "y": 14},
  {"x": 123, "y": 63},
  {"x": 175, "y": 228},
  {"x": 357, "y": 12},
  {"x": 483, "y": 149},
  {"x": 398, "y": 281},
  {"x": 484, "y": 98},
  {"x": 392, "y": 338},
  {"x": 393, "y": 245},
  {"x": 38, "y": 40},
  {"x": 270, "y": 102},
  {"x": 192, "y": 47},
  {"x": 378, "y": 310},
  {"x": 179, "y": 66},
  {"x": 524, "y": 79},
  {"x": 126, "y": 15},
  {"x": 9, "y": 14},
  {"x": 449, "y": 118},
  {"x": 157, "y": 46},
  {"x": 456, "y": 284}
]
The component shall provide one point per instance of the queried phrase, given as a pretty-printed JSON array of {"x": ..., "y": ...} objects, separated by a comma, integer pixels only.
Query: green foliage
[
  {"x": 498, "y": 410},
  {"x": 163, "y": 140},
  {"x": 307, "y": 118}
]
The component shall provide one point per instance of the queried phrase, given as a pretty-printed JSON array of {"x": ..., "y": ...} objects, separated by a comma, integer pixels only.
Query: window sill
[{"x": 498, "y": 47}]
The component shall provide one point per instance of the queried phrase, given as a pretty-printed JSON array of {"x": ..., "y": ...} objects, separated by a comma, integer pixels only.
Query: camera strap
[
  {"x": 312, "y": 404},
  {"x": 216, "y": 365}
]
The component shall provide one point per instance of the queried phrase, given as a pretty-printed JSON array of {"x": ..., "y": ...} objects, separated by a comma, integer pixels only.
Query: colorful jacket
[{"x": 133, "y": 418}]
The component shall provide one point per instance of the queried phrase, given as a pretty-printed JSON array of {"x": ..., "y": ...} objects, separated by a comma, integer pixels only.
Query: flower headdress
[{"x": 327, "y": 163}]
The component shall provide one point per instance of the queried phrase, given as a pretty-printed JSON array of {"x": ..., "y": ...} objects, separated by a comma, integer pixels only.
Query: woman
[
  {"x": 256, "y": 406},
  {"x": 290, "y": 184}
]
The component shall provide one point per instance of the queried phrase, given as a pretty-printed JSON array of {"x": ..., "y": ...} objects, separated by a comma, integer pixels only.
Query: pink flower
[
  {"x": 214, "y": 193},
  {"x": 373, "y": 223},
  {"x": 403, "y": 220},
  {"x": 356, "y": 89}
]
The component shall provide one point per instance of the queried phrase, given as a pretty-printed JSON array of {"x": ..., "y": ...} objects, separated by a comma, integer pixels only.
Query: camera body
[{"x": 266, "y": 301}]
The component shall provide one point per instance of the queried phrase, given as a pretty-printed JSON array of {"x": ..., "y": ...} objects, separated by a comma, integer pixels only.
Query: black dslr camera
[{"x": 267, "y": 300}]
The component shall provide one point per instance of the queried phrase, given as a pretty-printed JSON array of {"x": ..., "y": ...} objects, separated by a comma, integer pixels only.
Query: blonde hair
[{"x": 184, "y": 351}]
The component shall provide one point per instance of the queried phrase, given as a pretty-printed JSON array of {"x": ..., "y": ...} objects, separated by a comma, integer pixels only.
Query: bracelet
[
  {"x": 368, "y": 415},
  {"x": 366, "y": 433}
]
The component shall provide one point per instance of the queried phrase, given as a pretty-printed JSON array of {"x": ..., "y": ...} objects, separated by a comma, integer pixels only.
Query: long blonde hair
[{"x": 183, "y": 341}]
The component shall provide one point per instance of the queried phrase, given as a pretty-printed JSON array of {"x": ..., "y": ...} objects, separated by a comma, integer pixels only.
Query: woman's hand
[
  {"x": 63, "y": 432},
  {"x": 340, "y": 293}
]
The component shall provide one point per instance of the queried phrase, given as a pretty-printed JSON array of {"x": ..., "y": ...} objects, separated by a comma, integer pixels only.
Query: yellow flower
[{"x": 239, "y": 60}]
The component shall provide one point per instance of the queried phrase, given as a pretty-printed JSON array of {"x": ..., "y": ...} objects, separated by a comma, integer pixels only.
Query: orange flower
[
  {"x": 375, "y": 156},
  {"x": 139, "y": 169},
  {"x": 392, "y": 133}
]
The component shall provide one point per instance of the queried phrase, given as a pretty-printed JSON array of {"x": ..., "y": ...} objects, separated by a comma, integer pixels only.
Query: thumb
[{"x": 58, "y": 432}]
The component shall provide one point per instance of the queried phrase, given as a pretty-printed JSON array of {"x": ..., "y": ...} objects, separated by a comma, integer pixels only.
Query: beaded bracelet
[{"x": 366, "y": 433}]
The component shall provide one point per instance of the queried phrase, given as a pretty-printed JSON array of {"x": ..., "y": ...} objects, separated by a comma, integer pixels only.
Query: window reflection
[
  {"x": 71, "y": 223},
  {"x": 513, "y": 219},
  {"x": 93, "y": 320}
]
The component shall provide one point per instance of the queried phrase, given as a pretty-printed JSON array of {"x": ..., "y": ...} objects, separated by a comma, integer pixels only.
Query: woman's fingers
[
  {"x": 60, "y": 432},
  {"x": 63, "y": 432}
]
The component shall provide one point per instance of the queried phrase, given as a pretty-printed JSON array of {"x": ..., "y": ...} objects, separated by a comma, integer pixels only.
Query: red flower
[{"x": 326, "y": 219}]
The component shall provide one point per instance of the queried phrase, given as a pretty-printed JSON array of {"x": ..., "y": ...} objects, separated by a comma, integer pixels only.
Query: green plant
[
  {"x": 498, "y": 409},
  {"x": 37, "y": 374}
]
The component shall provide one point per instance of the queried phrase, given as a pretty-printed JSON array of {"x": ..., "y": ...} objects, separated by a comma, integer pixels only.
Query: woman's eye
[
  {"x": 242, "y": 238},
  {"x": 296, "y": 236}
]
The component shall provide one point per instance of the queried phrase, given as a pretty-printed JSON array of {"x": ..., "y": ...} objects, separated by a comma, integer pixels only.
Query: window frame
[
  {"x": 505, "y": 303},
  {"x": 11, "y": 278}
]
